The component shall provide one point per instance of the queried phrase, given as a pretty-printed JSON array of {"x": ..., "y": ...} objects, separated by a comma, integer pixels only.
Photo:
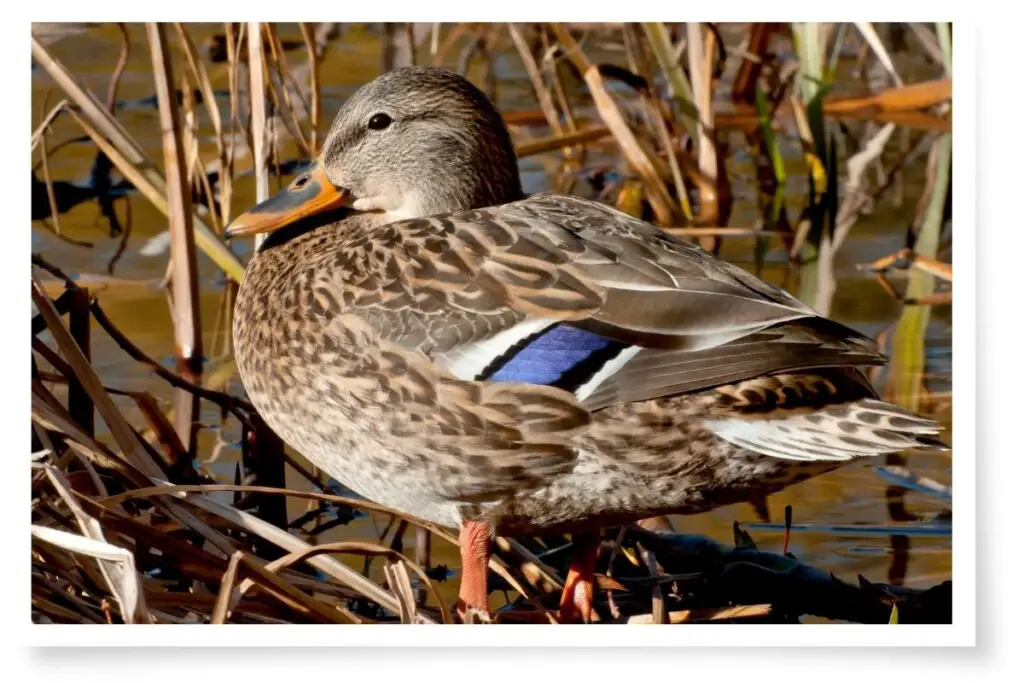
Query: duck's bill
[{"x": 309, "y": 194}]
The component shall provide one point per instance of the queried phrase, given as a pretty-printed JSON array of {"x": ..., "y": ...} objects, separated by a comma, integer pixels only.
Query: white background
[{"x": 988, "y": 173}]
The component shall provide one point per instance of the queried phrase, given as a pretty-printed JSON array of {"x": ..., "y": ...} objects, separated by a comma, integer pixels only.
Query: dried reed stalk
[
  {"x": 202, "y": 77},
  {"x": 872, "y": 39},
  {"x": 258, "y": 116},
  {"x": 913, "y": 97},
  {"x": 660, "y": 200},
  {"x": 547, "y": 105},
  {"x": 450, "y": 39},
  {"x": 279, "y": 86},
  {"x": 184, "y": 281},
  {"x": 40, "y": 131},
  {"x": 44, "y": 158},
  {"x": 123, "y": 434},
  {"x": 314, "y": 85},
  {"x": 700, "y": 52}
]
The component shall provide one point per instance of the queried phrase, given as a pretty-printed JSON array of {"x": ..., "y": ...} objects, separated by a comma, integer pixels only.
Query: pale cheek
[
  {"x": 396, "y": 206},
  {"x": 412, "y": 206},
  {"x": 368, "y": 204},
  {"x": 374, "y": 196}
]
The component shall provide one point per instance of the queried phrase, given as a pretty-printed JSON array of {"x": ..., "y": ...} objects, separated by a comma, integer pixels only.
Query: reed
[
  {"x": 258, "y": 116},
  {"x": 308, "y": 35},
  {"x": 908, "y": 366},
  {"x": 184, "y": 281}
]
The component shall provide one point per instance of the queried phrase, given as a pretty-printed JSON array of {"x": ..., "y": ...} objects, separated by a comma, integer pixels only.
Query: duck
[{"x": 494, "y": 362}]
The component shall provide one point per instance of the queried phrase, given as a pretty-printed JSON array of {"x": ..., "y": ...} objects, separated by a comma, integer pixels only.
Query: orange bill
[{"x": 309, "y": 194}]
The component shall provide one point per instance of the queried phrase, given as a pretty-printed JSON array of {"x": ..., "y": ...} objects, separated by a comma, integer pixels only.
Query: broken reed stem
[
  {"x": 238, "y": 407},
  {"x": 258, "y": 116},
  {"x": 673, "y": 162},
  {"x": 227, "y": 584},
  {"x": 759, "y": 39},
  {"x": 591, "y": 133},
  {"x": 184, "y": 281},
  {"x": 285, "y": 72},
  {"x": 358, "y": 548},
  {"x": 904, "y": 385},
  {"x": 549, "y": 64},
  {"x": 40, "y": 130}
]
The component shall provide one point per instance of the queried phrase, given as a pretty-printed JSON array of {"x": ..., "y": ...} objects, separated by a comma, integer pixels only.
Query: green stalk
[
  {"x": 673, "y": 70},
  {"x": 908, "y": 362},
  {"x": 809, "y": 50},
  {"x": 764, "y": 118},
  {"x": 946, "y": 43}
]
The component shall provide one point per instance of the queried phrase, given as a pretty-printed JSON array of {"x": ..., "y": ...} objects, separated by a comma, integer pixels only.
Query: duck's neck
[
  {"x": 441, "y": 200},
  {"x": 487, "y": 175}
]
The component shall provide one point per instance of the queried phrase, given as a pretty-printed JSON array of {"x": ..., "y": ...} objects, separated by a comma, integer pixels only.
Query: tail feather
[{"x": 863, "y": 428}]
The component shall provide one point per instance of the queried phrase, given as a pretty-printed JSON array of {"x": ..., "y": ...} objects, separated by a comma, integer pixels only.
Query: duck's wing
[
  {"x": 467, "y": 442},
  {"x": 565, "y": 307},
  {"x": 570, "y": 293}
]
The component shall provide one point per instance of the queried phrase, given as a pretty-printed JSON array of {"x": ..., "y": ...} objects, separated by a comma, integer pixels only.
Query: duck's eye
[{"x": 379, "y": 122}]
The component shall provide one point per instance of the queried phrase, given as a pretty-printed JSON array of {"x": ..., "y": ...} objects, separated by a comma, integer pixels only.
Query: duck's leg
[
  {"x": 475, "y": 548},
  {"x": 578, "y": 596}
]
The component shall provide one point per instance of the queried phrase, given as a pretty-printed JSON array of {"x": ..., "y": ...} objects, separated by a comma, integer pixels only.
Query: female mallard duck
[{"x": 446, "y": 346}]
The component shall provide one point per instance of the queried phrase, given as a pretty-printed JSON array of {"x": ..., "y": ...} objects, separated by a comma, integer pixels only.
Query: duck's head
[{"x": 414, "y": 142}]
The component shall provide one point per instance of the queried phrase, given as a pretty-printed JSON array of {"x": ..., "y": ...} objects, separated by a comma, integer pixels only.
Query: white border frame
[{"x": 960, "y": 633}]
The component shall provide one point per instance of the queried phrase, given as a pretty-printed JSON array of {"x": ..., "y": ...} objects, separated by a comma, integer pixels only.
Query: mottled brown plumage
[{"x": 394, "y": 346}]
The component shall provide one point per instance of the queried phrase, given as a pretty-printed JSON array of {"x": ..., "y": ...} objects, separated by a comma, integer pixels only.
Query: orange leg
[
  {"x": 475, "y": 548},
  {"x": 578, "y": 596}
]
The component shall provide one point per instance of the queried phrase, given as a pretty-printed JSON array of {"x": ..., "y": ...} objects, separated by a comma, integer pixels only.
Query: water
[{"x": 850, "y": 526}]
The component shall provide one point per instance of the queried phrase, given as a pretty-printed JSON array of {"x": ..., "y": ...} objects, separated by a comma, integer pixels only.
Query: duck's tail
[{"x": 862, "y": 428}]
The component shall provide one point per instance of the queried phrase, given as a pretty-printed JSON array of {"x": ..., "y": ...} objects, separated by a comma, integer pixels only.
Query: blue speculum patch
[{"x": 555, "y": 355}]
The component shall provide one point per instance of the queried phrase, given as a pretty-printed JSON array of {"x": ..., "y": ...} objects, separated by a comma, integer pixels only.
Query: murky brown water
[{"x": 855, "y": 495}]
